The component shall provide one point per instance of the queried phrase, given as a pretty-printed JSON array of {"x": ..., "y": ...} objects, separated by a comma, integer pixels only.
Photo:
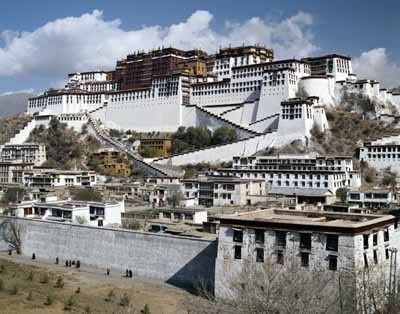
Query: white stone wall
[
  {"x": 322, "y": 87},
  {"x": 225, "y": 152}
]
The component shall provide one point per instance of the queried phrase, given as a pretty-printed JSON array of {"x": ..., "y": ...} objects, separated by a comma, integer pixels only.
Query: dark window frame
[
  {"x": 259, "y": 236},
  {"x": 259, "y": 255},
  {"x": 332, "y": 242},
  {"x": 238, "y": 252},
  {"x": 305, "y": 259},
  {"x": 305, "y": 241},
  {"x": 238, "y": 235}
]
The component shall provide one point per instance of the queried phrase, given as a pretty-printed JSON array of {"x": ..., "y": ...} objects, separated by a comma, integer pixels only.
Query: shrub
[
  {"x": 49, "y": 299},
  {"x": 146, "y": 310},
  {"x": 125, "y": 300},
  {"x": 30, "y": 276},
  {"x": 30, "y": 296},
  {"x": 110, "y": 296},
  {"x": 69, "y": 303},
  {"x": 86, "y": 195},
  {"x": 87, "y": 309},
  {"x": 14, "y": 290},
  {"x": 1, "y": 285},
  {"x": 78, "y": 290},
  {"x": 2, "y": 268},
  {"x": 59, "y": 282},
  {"x": 44, "y": 278}
]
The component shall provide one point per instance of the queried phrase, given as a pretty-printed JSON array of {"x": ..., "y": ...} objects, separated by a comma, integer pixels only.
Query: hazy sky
[{"x": 42, "y": 41}]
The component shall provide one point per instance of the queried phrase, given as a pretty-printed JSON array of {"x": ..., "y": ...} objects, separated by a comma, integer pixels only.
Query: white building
[
  {"x": 224, "y": 190},
  {"x": 301, "y": 115},
  {"x": 382, "y": 154},
  {"x": 46, "y": 178},
  {"x": 27, "y": 152},
  {"x": 244, "y": 88},
  {"x": 184, "y": 215},
  {"x": 97, "y": 214},
  {"x": 11, "y": 172},
  {"x": 372, "y": 199},
  {"x": 311, "y": 240},
  {"x": 310, "y": 178}
]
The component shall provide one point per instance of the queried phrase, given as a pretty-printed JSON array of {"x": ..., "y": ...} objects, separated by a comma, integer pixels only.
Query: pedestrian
[
  {"x": 57, "y": 260},
  {"x": 78, "y": 264},
  {"x": 70, "y": 263},
  {"x": 33, "y": 256},
  {"x": 127, "y": 273},
  {"x": 130, "y": 273},
  {"x": 9, "y": 252},
  {"x": 66, "y": 263},
  {"x": 108, "y": 271}
]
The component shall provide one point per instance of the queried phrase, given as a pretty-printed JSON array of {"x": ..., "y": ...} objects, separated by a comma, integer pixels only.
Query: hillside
[
  {"x": 11, "y": 125},
  {"x": 347, "y": 132},
  {"x": 66, "y": 148},
  {"x": 13, "y": 103}
]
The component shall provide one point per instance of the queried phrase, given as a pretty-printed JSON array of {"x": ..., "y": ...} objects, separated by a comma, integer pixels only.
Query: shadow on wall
[{"x": 199, "y": 273}]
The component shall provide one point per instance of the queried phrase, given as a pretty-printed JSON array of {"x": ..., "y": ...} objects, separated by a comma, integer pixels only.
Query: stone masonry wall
[{"x": 176, "y": 260}]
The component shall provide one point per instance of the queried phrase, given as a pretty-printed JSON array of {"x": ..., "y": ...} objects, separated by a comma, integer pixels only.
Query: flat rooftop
[{"x": 281, "y": 219}]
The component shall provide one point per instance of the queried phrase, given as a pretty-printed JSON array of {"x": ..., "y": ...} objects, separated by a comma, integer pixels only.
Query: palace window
[
  {"x": 260, "y": 255},
  {"x": 238, "y": 252},
  {"x": 260, "y": 236},
  {"x": 305, "y": 259},
  {"x": 305, "y": 241},
  {"x": 332, "y": 242},
  {"x": 237, "y": 235},
  {"x": 332, "y": 262},
  {"x": 280, "y": 238}
]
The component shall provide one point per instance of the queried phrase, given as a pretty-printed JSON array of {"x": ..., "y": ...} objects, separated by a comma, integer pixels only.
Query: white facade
[
  {"x": 28, "y": 152},
  {"x": 298, "y": 174},
  {"x": 301, "y": 115},
  {"x": 11, "y": 172},
  {"x": 45, "y": 178},
  {"x": 334, "y": 242},
  {"x": 382, "y": 155},
  {"x": 218, "y": 190},
  {"x": 372, "y": 198},
  {"x": 244, "y": 90},
  {"x": 96, "y": 214},
  {"x": 185, "y": 215}
]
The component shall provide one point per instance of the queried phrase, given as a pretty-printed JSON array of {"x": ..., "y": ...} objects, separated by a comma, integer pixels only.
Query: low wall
[
  {"x": 223, "y": 152},
  {"x": 180, "y": 261}
]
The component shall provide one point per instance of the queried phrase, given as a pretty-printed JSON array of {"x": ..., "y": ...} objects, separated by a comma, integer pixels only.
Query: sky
[{"x": 42, "y": 41}]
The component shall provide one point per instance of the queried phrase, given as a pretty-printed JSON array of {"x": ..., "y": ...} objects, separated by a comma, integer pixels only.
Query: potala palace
[{"x": 268, "y": 102}]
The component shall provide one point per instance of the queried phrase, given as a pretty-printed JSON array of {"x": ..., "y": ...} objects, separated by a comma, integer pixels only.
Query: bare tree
[
  {"x": 10, "y": 233},
  {"x": 175, "y": 197},
  {"x": 267, "y": 288}
]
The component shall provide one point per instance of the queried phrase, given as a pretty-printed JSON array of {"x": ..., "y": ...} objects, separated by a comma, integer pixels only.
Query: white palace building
[{"x": 270, "y": 101}]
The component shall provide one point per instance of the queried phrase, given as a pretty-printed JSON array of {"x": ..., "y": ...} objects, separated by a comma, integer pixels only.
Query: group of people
[{"x": 128, "y": 273}]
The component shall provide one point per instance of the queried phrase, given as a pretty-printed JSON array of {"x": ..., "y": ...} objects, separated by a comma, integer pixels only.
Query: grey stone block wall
[{"x": 184, "y": 262}]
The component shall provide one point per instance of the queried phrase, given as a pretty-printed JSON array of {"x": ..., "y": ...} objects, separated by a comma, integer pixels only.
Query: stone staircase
[
  {"x": 149, "y": 168},
  {"x": 22, "y": 135},
  {"x": 249, "y": 131}
]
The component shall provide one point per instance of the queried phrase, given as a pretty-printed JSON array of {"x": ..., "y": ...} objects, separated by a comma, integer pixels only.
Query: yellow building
[
  {"x": 156, "y": 144},
  {"x": 113, "y": 163},
  {"x": 194, "y": 67}
]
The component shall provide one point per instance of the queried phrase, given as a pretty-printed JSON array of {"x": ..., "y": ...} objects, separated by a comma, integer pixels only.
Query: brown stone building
[
  {"x": 157, "y": 144},
  {"x": 138, "y": 70}
]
